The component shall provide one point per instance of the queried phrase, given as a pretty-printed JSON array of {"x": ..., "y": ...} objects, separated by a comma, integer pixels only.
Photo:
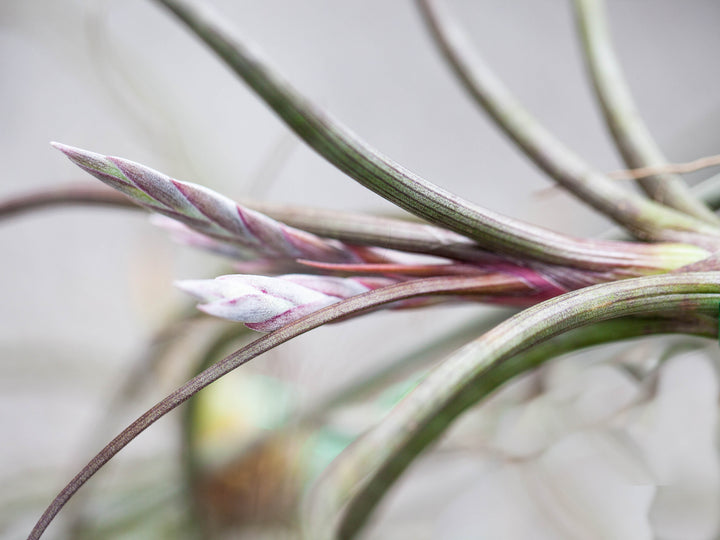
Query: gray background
[{"x": 83, "y": 289}]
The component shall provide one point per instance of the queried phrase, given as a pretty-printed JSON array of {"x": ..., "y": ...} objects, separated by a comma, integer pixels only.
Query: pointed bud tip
[
  {"x": 64, "y": 148},
  {"x": 75, "y": 154},
  {"x": 194, "y": 287},
  {"x": 96, "y": 164}
]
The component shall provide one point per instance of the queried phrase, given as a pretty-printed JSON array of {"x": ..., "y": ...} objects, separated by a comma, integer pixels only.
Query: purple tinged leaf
[
  {"x": 246, "y": 260},
  {"x": 183, "y": 234},
  {"x": 157, "y": 186},
  {"x": 337, "y": 286},
  {"x": 106, "y": 171},
  {"x": 268, "y": 303},
  {"x": 208, "y": 212},
  {"x": 259, "y": 299},
  {"x": 288, "y": 316},
  {"x": 216, "y": 207},
  {"x": 91, "y": 161}
]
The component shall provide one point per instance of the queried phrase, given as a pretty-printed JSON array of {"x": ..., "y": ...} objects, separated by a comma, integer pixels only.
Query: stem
[
  {"x": 394, "y": 370},
  {"x": 68, "y": 194},
  {"x": 675, "y": 168},
  {"x": 362, "y": 474},
  {"x": 189, "y": 458},
  {"x": 365, "y": 229},
  {"x": 709, "y": 191},
  {"x": 346, "y": 308},
  {"x": 342, "y": 225},
  {"x": 369, "y": 230},
  {"x": 353, "y": 228},
  {"x": 207, "y": 212},
  {"x": 630, "y": 134},
  {"x": 138, "y": 378},
  {"x": 645, "y": 219},
  {"x": 344, "y": 150}
]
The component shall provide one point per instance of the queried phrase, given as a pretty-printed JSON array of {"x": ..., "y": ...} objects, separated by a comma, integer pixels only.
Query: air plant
[{"x": 296, "y": 269}]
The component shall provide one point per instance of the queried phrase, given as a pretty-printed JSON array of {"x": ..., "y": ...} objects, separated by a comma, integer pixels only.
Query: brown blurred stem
[
  {"x": 63, "y": 195},
  {"x": 365, "y": 229},
  {"x": 630, "y": 134},
  {"x": 641, "y": 217},
  {"x": 320, "y": 221},
  {"x": 351, "y": 519},
  {"x": 354, "y": 228},
  {"x": 352, "y": 486},
  {"x": 675, "y": 168},
  {"x": 353, "y": 306},
  {"x": 190, "y": 466}
]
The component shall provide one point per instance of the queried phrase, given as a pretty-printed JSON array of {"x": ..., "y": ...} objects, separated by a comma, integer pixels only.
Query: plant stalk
[
  {"x": 343, "y": 149},
  {"x": 357, "y": 480},
  {"x": 644, "y": 219},
  {"x": 630, "y": 134}
]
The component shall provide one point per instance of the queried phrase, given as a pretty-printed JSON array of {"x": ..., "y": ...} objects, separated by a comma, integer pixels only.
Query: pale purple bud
[
  {"x": 267, "y": 303},
  {"x": 208, "y": 212},
  {"x": 183, "y": 234}
]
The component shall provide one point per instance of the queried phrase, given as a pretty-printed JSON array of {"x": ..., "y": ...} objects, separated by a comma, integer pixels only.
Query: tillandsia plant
[{"x": 294, "y": 269}]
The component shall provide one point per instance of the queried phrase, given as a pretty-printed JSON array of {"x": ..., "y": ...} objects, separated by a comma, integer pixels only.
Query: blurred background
[{"x": 575, "y": 451}]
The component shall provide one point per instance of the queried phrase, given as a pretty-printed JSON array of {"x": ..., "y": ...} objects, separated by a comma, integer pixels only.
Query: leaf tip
[{"x": 69, "y": 151}]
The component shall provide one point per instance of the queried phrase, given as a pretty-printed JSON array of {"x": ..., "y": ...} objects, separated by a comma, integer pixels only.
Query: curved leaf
[{"x": 357, "y": 480}]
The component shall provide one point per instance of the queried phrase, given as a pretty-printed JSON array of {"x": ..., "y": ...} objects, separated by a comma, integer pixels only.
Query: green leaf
[{"x": 354, "y": 484}]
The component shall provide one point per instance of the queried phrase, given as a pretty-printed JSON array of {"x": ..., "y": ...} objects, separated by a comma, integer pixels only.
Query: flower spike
[
  {"x": 268, "y": 303},
  {"x": 206, "y": 211}
]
